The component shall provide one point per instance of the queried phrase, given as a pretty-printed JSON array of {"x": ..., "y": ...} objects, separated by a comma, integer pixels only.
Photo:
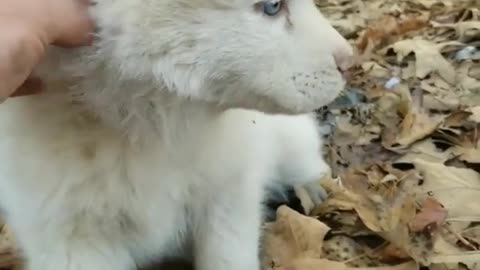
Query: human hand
[{"x": 28, "y": 27}]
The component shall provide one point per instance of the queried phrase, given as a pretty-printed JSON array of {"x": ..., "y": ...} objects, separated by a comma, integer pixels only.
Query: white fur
[{"x": 155, "y": 142}]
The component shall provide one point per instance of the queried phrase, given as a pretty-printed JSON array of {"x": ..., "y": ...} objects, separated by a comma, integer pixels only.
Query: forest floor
[{"x": 404, "y": 147}]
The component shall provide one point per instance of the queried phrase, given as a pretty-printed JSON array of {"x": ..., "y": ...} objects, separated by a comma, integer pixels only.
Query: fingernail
[
  {"x": 93, "y": 34},
  {"x": 90, "y": 39}
]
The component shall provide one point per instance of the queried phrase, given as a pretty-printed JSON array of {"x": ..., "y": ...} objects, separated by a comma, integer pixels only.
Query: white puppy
[{"x": 163, "y": 136}]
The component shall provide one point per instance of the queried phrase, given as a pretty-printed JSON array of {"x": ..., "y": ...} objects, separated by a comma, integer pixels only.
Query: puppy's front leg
[
  {"x": 75, "y": 252},
  {"x": 227, "y": 236}
]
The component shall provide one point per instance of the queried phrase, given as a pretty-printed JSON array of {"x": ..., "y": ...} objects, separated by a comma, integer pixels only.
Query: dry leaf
[
  {"x": 292, "y": 236},
  {"x": 428, "y": 57},
  {"x": 431, "y": 212},
  {"x": 387, "y": 27},
  {"x": 442, "y": 182}
]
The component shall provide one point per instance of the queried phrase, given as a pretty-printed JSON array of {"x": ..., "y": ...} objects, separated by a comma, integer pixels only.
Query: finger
[
  {"x": 74, "y": 42},
  {"x": 31, "y": 86},
  {"x": 85, "y": 2},
  {"x": 81, "y": 29},
  {"x": 82, "y": 36}
]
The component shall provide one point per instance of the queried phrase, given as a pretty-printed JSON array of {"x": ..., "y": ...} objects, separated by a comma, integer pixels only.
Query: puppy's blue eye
[{"x": 272, "y": 7}]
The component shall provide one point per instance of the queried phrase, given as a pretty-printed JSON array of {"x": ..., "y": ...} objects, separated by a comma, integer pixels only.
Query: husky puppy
[{"x": 162, "y": 138}]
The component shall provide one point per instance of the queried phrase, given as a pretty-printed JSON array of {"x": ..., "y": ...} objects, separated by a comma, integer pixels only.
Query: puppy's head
[{"x": 278, "y": 56}]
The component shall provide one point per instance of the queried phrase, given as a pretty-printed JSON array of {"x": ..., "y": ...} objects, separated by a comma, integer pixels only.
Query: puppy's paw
[{"x": 310, "y": 195}]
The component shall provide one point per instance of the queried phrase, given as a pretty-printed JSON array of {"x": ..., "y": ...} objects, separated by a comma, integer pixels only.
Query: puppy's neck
[
  {"x": 128, "y": 111},
  {"x": 136, "y": 106},
  {"x": 152, "y": 115}
]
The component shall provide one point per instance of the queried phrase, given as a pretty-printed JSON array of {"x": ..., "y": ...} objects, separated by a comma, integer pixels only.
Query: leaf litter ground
[{"x": 404, "y": 148}]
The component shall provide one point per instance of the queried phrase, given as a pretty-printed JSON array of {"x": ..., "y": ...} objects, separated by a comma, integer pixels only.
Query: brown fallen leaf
[
  {"x": 465, "y": 30},
  {"x": 294, "y": 242},
  {"x": 447, "y": 253},
  {"x": 416, "y": 124},
  {"x": 431, "y": 212},
  {"x": 468, "y": 83},
  {"x": 392, "y": 252},
  {"x": 384, "y": 29},
  {"x": 439, "y": 95},
  {"x": 430, "y": 3},
  {"x": 428, "y": 57},
  {"x": 475, "y": 114},
  {"x": 316, "y": 264},
  {"x": 457, "y": 189},
  {"x": 290, "y": 237}
]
